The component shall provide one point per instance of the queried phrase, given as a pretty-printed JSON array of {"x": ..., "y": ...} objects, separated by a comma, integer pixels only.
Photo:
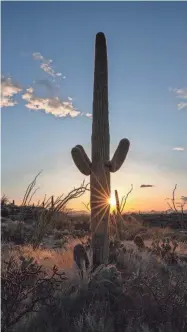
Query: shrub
[
  {"x": 140, "y": 296},
  {"x": 57, "y": 234},
  {"x": 16, "y": 232},
  {"x": 25, "y": 288},
  {"x": 165, "y": 249},
  {"x": 4, "y": 212}
]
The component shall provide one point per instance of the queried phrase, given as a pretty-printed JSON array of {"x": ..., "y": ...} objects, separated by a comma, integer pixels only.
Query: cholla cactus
[
  {"x": 155, "y": 247},
  {"x": 166, "y": 248},
  {"x": 100, "y": 167}
]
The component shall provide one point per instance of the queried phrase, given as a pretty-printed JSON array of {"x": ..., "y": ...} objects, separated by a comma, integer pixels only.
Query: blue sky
[{"x": 147, "y": 61}]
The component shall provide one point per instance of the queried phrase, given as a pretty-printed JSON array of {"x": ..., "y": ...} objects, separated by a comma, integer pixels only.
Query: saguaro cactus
[{"x": 101, "y": 166}]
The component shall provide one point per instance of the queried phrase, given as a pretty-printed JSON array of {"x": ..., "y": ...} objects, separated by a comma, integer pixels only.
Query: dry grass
[
  {"x": 62, "y": 258},
  {"x": 132, "y": 297},
  {"x": 129, "y": 296}
]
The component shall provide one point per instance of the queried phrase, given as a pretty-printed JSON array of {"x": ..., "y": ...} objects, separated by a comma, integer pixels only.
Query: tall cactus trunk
[
  {"x": 100, "y": 176},
  {"x": 101, "y": 166}
]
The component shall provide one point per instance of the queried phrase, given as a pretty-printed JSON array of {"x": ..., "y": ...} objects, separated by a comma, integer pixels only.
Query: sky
[{"x": 47, "y": 67}]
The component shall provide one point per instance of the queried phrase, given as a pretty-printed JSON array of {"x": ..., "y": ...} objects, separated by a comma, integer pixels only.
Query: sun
[{"x": 112, "y": 202}]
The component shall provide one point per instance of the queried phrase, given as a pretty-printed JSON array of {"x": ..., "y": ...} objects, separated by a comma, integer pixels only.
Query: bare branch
[
  {"x": 173, "y": 198},
  {"x": 46, "y": 216},
  {"x": 33, "y": 195},
  {"x": 87, "y": 206},
  {"x": 29, "y": 190},
  {"x": 75, "y": 193},
  {"x": 124, "y": 199},
  {"x": 173, "y": 207}
]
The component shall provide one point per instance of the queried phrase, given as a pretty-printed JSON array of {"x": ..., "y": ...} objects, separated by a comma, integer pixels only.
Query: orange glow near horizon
[
  {"x": 133, "y": 205},
  {"x": 139, "y": 200}
]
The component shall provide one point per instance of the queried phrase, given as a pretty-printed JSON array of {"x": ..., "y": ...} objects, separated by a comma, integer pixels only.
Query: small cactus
[
  {"x": 139, "y": 242},
  {"x": 80, "y": 257}
]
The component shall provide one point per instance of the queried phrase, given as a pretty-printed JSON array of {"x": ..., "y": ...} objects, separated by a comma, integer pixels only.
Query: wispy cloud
[
  {"x": 182, "y": 95},
  {"x": 8, "y": 90},
  {"x": 179, "y": 148},
  {"x": 54, "y": 106},
  {"x": 146, "y": 186},
  {"x": 89, "y": 115},
  {"x": 46, "y": 65}
]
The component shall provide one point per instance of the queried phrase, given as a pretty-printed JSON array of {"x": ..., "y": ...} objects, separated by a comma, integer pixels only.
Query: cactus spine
[{"x": 101, "y": 166}]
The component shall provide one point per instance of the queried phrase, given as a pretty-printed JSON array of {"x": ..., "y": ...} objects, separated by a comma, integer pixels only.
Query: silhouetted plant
[
  {"x": 139, "y": 242},
  {"x": 173, "y": 207},
  {"x": 100, "y": 167},
  {"x": 25, "y": 287}
]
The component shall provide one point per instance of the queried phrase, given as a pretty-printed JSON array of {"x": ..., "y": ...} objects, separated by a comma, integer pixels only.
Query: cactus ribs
[{"x": 100, "y": 167}]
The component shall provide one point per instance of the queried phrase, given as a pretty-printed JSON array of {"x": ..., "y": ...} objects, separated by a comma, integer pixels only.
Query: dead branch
[
  {"x": 29, "y": 190},
  {"x": 46, "y": 216},
  {"x": 173, "y": 198},
  {"x": 174, "y": 208},
  {"x": 75, "y": 193},
  {"x": 33, "y": 195},
  {"x": 87, "y": 206},
  {"x": 124, "y": 199}
]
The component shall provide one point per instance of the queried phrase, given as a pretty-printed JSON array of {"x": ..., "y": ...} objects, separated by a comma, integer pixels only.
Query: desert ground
[{"x": 142, "y": 288}]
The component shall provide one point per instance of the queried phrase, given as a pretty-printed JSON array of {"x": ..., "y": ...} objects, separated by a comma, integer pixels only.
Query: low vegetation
[{"x": 142, "y": 289}]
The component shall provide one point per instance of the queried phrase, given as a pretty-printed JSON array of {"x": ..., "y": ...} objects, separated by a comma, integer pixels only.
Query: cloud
[
  {"x": 146, "y": 186},
  {"x": 89, "y": 115},
  {"x": 182, "y": 95},
  {"x": 180, "y": 148},
  {"x": 52, "y": 105},
  {"x": 46, "y": 65},
  {"x": 8, "y": 90}
]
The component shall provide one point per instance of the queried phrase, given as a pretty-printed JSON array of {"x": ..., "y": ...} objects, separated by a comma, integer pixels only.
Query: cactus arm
[
  {"x": 119, "y": 156},
  {"x": 81, "y": 160}
]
